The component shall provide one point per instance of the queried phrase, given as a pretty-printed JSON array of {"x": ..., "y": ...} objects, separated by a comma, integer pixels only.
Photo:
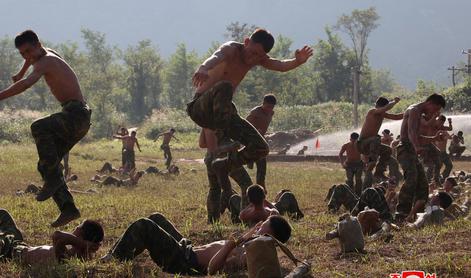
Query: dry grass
[{"x": 444, "y": 250}]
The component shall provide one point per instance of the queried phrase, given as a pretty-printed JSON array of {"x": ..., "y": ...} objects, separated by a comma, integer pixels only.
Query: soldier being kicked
[{"x": 260, "y": 117}]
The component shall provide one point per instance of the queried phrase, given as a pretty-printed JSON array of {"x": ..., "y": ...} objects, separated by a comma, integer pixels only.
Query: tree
[
  {"x": 144, "y": 82},
  {"x": 238, "y": 31},
  {"x": 179, "y": 70},
  {"x": 358, "y": 26},
  {"x": 331, "y": 62},
  {"x": 99, "y": 80}
]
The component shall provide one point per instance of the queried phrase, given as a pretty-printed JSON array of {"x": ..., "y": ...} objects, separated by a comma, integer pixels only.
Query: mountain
[{"x": 416, "y": 39}]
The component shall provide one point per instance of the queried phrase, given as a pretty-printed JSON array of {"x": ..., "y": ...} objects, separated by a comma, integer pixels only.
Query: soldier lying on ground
[
  {"x": 434, "y": 212},
  {"x": 110, "y": 180},
  {"x": 174, "y": 254},
  {"x": 83, "y": 242}
]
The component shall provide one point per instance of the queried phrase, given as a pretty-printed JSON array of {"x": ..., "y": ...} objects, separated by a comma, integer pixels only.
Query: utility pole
[
  {"x": 466, "y": 68},
  {"x": 454, "y": 72}
]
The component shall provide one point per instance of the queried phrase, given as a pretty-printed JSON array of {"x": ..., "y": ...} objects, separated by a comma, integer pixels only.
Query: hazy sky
[{"x": 415, "y": 39}]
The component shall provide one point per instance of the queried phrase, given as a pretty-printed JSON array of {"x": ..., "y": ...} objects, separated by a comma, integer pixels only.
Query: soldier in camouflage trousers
[
  {"x": 214, "y": 110},
  {"x": 373, "y": 198},
  {"x": 166, "y": 246},
  {"x": 55, "y": 135},
  {"x": 11, "y": 239},
  {"x": 220, "y": 192},
  {"x": 339, "y": 195}
]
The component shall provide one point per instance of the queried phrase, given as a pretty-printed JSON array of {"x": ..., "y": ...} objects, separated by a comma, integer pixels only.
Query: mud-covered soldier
[
  {"x": 352, "y": 164},
  {"x": 260, "y": 117},
  {"x": 415, "y": 187},
  {"x": 54, "y": 135},
  {"x": 175, "y": 254},
  {"x": 216, "y": 81},
  {"x": 83, "y": 242},
  {"x": 456, "y": 148},
  {"x": 128, "y": 155},
  {"x": 370, "y": 145},
  {"x": 220, "y": 193},
  {"x": 165, "y": 147}
]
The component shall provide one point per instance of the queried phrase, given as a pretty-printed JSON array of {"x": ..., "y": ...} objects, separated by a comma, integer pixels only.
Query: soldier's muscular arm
[
  {"x": 23, "y": 84},
  {"x": 301, "y": 56}
]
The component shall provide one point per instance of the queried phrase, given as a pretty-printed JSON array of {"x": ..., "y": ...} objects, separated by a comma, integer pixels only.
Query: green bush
[
  {"x": 329, "y": 116},
  {"x": 458, "y": 98},
  {"x": 15, "y": 125},
  {"x": 163, "y": 120}
]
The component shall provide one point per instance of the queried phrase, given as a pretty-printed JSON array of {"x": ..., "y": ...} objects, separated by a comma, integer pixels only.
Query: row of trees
[{"x": 125, "y": 85}]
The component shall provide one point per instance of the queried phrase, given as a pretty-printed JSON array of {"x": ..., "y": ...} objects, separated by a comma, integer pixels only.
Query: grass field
[{"x": 444, "y": 250}]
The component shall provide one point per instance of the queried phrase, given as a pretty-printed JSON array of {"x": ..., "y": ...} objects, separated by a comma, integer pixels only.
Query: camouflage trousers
[
  {"x": 55, "y": 135},
  {"x": 167, "y": 154},
  {"x": 415, "y": 185},
  {"x": 431, "y": 159},
  {"x": 456, "y": 150},
  {"x": 354, "y": 171},
  {"x": 220, "y": 192},
  {"x": 341, "y": 194},
  {"x": 445, "y": 160},
  {"x": 373, "y": 199},
  {"x": 166, "y": 246},
  {"x": 11, "y": 239},
  {"x": 380, "y": 155},
  {"x": 261, "y": 171},
  {"x": 129, "y": 158},
  {"x": 287, "y": 204},
  {"x": 214, "y": 109}
]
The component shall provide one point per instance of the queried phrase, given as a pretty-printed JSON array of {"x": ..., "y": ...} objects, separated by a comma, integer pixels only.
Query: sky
[{"x": 416, "y": 39}]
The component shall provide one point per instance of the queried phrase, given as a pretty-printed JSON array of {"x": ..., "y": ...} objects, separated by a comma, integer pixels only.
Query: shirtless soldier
[
  {"x": 84, "y": 241},
  {"x": 173, "y": 253},
  {"x": 167, "y": 137},
  {"x": 260, "y": 117},
  {"x": 415, "y": 187},
  {"x": 370, "y": 145},
  {"x": 215, "y": 82},
  {"x": 128, "y": 150},
  {"x": 54, "y": 135},
  {"x": 429, "y": 128},
  {"x": 445, "y": 159},
  {"x": 353, "y": 164}
]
